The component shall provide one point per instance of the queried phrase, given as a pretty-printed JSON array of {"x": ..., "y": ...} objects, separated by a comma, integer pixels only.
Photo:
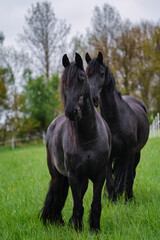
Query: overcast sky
[{"x": 78, "y": 13}]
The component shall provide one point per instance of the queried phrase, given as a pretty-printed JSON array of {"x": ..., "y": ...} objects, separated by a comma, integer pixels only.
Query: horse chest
[{"x": 86, "y": 161}]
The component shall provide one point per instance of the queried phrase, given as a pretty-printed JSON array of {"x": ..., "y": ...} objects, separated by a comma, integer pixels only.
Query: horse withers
[
  {"x": 78, "y": 149},
  {"x": 127, "y": 119}
]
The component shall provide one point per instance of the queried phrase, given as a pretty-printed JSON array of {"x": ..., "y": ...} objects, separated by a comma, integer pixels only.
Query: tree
[
  {"x": 2, "y": 37},
  {"x": 123, "y": 57},
  {"x": 3, "y": 89},
  {"x": 79, "y": 44},
  {"x": 106, "y": 26},
  {"x": 144, "y": 60},
  {"x": 42, "y": 100},
  {"x": 12, "y": 65},
  {"x": 44, "y": 35},
  {"x": 3, "y": 104},
  {"x": 16, "y": 62},
  {"x": 156, "y": 63}
]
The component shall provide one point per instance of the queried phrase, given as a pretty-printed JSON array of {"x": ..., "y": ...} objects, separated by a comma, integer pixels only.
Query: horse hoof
[
  {"x": 130, "y": 199},
  {"x": 70, "y": 223},
  {"x": 95, "y": 230},
  {"x": 61, "y": 222},
  {"x": 73, "y": 223}
]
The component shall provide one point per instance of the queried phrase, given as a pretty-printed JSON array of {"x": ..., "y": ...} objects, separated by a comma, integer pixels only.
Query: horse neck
[
  {"x": 110, "y": 104},
  {"x": 87, "y": 126}
]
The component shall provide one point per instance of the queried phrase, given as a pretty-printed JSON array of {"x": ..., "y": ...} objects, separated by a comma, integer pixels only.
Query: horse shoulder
[
  {"x": 55, "y": 136},
  {"x": 55, "y": 126}
]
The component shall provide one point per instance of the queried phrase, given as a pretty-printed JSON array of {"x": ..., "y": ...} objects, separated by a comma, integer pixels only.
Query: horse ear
[
  {"x": 88, "y": 58},
  {"x": 100, "y": 57},
  {"x": 79, "y": 61},
  {"x": 65, "y": 61}
]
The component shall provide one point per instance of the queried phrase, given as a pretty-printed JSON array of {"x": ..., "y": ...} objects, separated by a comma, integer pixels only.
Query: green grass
[{"x": 24, "y": 182}]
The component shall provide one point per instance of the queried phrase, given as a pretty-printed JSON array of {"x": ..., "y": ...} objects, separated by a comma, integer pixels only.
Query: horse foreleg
[
  {"x": 55, "y": 199},
  {"x": 96, "y": 203},
  {"x": 78, "y": 187}
]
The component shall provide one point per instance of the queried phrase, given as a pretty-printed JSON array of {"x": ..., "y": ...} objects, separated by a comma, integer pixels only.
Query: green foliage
[
  {"x": 156, "y": 61},
  {"x": 2, "y": 37},
  {"x": 24, "y": 184},
  {"x": 105, "y": 27},
  {"x": 3, "y": 93},
  {"x": 3, "y": 101},
  {"x": 42, "y": 100}
]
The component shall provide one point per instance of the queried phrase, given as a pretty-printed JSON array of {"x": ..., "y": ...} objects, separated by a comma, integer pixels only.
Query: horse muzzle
[{"x": 74, "y": 115}]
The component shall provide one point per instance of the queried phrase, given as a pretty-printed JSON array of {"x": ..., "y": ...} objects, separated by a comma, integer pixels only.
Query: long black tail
[
  {"x": 119, "y": 176},
  {"x": 48, "y": 211}
]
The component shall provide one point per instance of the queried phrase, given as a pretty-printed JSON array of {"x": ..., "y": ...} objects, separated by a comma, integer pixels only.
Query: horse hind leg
[
  {"x": 129, "y": 174},
  {"x": 136, "y": 161},
  {"x": 55, "y": 199},
  {"x": 109, "y": 182}
]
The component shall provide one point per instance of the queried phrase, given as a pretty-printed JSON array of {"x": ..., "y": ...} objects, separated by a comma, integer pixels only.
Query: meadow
[{"x": 24, "y": 182}]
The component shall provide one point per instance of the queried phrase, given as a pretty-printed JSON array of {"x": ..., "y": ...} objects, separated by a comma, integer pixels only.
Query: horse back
[{"x": 133, "y": 101}]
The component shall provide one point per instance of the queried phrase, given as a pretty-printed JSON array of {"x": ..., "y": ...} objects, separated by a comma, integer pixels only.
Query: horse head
[
  {"x": 99, "y": 76},
  {"x": 74, "y": 87}
]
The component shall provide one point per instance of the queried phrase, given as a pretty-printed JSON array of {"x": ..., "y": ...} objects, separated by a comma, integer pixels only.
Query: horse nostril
[
  {"x": 95, "y": 101},
  {"x": 75, "y": 112}
]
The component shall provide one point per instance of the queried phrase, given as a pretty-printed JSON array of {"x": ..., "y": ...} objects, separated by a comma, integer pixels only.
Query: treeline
[{"x": 30, "y": 76}]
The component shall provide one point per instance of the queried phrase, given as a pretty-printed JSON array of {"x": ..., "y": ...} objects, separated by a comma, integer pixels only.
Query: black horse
[
  {"x": 127, "y": 119},
  {"x": 78, "y": 149}
]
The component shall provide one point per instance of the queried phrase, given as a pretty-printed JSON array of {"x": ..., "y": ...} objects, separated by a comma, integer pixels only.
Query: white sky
[{"x": 78, "y": 13}]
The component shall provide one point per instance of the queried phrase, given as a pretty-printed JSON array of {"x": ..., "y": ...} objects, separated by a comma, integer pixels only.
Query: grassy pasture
[{"x": 24, "y": 182}]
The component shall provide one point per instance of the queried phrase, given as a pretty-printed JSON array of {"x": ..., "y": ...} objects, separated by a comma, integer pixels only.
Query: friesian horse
[
  {"x": 127, "y": 119},
  {"x": 78, "y": 149}
]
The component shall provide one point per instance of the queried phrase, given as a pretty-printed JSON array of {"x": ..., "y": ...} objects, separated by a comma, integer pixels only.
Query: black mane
[
  {"x": 68, "y": 75},
  {"x": 94, "y": 66}
]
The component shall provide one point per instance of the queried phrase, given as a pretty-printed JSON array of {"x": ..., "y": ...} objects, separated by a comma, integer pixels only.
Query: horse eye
[{"x": 81, "y": 99}]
